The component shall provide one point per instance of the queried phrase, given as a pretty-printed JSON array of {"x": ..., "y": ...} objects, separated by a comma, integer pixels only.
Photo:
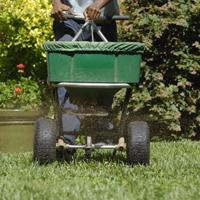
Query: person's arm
[
  {"x": 58, "y": 8},
  {"x": 93, "y": 10}
]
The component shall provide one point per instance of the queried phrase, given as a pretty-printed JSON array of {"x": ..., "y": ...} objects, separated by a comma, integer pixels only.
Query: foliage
[
  {"x": 24, "y": 93},
  {"x": 24, "y": 26},
  {"x": 174, "y": 173},
  {"x": 21, "y": 93},
  {"x": 169, "y": 87}
]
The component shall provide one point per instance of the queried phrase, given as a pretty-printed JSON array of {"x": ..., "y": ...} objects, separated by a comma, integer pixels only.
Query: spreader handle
[{"x": 100, "y": 19}]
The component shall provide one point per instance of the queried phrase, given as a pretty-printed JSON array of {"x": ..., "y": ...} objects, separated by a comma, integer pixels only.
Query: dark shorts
[{"x": 66, "y": 30}]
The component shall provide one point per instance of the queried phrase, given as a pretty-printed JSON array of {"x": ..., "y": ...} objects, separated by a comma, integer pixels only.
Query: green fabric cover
[{"x": 121, "y": 47}]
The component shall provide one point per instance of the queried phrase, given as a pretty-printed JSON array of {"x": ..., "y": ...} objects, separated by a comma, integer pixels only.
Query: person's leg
[
  {"x": 71, "y": 123},
  {"x": 110, "y": 31},
  {"x": 64, "y": 31}
]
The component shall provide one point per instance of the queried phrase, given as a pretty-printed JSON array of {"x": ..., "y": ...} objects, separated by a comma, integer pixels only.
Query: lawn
[{"x": 174, "y": 173}]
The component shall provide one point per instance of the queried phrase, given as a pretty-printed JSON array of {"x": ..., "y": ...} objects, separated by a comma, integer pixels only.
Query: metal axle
[{"x": 89, "y": 145}]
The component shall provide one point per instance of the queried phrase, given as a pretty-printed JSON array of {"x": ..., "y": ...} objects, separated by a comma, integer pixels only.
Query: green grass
[{"x": 174, "y": 173}]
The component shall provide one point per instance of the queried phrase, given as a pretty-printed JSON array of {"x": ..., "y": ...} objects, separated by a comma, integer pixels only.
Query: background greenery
[
  {"x": 174, "y": 173},
  {"x": 169, "y": 88},
  {"x": 24, "y": 26},
  {"x": 23, "y": 93}
]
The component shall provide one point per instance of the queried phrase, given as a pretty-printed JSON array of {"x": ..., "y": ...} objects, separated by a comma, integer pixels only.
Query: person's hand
[
  {"x": 92, "y": 12},
  {"x": 58, "y": 9}
]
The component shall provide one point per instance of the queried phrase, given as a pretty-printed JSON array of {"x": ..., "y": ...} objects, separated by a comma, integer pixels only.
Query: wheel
[
  {"x": 45, "y": 141},
  {"x": 138, "y": 143}
]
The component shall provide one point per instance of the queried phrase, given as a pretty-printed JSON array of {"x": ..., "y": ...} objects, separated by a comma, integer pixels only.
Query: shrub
[
  {"x": 22, "y": 92},
  {"x": 169, "y": 87},
  {"x": 24, "y": 26}
]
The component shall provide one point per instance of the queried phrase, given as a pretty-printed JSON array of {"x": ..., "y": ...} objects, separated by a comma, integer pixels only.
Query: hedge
[
  {"x": 24, "y": 26},
  {"x": 169, "y": 88}
]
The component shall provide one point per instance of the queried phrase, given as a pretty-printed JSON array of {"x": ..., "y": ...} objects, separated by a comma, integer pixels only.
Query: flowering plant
[{"x": 23, "y": 92}]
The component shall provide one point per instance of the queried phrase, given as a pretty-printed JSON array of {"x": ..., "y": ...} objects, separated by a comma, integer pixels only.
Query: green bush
[
  {"x": 22, "y": 92},
  {"x": 169, "y": 87},
  {"x": 24, "y": 26}
]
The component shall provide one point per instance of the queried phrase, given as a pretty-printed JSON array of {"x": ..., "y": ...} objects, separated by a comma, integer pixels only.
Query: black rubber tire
[
  {"x": 138, "y": 143},
  {"x": 45, "y": 141}
]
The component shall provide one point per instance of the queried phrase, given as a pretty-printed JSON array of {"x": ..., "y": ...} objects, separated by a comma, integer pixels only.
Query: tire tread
[
  {"x": 45, "y": 141},
  {"x": 138, "y": 144}
]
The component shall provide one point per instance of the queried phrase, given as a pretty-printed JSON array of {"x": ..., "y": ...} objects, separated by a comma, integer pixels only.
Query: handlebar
[{"x": 100, "y": 19}]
